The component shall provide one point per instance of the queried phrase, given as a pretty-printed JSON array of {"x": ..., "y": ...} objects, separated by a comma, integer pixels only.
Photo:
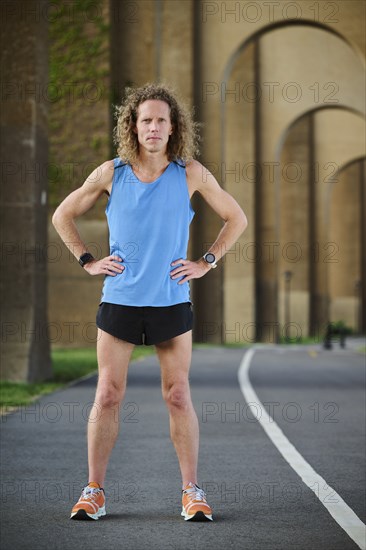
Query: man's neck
[{"x": 150, "y": 163}]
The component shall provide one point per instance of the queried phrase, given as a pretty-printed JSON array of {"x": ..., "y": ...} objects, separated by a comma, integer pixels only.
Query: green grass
[
  {"x": 68, "y": 365},
  {"x": 13, "y": 394}
]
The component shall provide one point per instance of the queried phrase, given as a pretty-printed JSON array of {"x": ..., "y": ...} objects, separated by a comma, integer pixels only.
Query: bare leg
[
  {"x": 103, "y": 424},
  {"x": 175, "y": 360}
]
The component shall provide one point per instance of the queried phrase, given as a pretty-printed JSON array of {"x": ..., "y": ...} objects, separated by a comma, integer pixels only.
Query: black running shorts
[{"x": 145, "y": 325}]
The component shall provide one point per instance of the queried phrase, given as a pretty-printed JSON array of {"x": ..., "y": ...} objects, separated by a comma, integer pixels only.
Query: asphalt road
[{"x": 259, "y": 502}]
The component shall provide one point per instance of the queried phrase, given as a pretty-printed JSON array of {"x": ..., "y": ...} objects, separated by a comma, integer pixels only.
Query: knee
[
  {"x": 177, "y": 396},
  {"x": 108, "y": 395}
]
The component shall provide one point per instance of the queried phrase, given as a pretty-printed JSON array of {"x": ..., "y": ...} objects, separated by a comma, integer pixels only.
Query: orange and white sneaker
[
  {"x": 194, "y": 504},
  {"x": 91, "y": 504}
]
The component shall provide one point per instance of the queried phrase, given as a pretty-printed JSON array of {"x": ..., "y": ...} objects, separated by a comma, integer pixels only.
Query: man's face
[{"x": 153, "y": 126}]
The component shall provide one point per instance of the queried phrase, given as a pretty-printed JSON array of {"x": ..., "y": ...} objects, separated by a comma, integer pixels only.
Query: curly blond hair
[{"x": 183, "y": 142}]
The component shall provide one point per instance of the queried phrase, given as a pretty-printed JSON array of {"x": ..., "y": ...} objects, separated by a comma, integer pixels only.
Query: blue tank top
[{"x": 149, "y": 228}]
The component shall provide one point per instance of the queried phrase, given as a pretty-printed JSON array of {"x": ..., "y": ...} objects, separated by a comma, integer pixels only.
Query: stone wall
[
  {"x": 74, "y": 295},
  {"x": 80, "y": 140}
]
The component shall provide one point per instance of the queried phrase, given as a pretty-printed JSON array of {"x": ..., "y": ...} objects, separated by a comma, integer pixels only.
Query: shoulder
[
  {"x": 101, "y": 177},
  {"x": 117, "y": 162},
  {"x": 198, "y": 176},
  {"x": 193, "y": 168},
  {"x": 104, "y": 170},
  {"x": 107, "y": 168}
]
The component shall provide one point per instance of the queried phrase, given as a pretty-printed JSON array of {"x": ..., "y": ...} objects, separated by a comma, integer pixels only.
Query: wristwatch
[
  {"x": 210, "y": 259},
  {"x": 85, "y": 259}
]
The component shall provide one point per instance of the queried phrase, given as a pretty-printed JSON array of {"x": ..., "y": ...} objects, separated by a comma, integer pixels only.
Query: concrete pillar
[
  {"x": 362, "y": 298},
  {"x": 207, "y": 293},
  {"x": 344, "y": 236},
  {"x": 266, "y": 218},
  {"x": 146, "y": 47},
  {"x": 294, "y": 250},
  {"x": 238, "y": 177},
  {"x": 25, "y": 354},
  {"x": 132, "y": 40},
  {"x": 339, "y": 137}
]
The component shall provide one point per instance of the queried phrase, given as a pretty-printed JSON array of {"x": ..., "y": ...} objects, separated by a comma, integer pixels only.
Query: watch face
[
  {"x": 210, "y": 258},
  {"x": 85, "y": 258}
]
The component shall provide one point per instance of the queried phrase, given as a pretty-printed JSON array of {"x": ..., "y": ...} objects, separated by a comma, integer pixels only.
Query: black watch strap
[{"x": 85, "y": 259}]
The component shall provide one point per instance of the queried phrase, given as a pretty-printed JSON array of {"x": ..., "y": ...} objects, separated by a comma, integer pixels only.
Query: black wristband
[{"x": 85, "y": 259}]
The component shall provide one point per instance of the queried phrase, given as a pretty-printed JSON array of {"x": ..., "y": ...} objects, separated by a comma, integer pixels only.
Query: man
[{"x": 145, "y": 296}]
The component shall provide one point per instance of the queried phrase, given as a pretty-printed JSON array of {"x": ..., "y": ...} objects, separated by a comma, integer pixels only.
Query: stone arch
[
  {"x": 302, "y": 206},
  {"x": 286, "y": 23},
  {"x": 347, "y": 276},
  {"x": 268, "y": 291}
]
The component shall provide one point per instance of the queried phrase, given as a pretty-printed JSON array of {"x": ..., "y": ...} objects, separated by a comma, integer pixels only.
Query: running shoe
[
  {"x": 194, "y": 504},
  {"x": 91, "y": 504}
]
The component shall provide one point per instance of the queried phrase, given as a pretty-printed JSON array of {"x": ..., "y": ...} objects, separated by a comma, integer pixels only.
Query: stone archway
[
  {"x": 267, "y": 139},
  {"x": 347, "y": 276},
  {"x": 304, "y": 196}
]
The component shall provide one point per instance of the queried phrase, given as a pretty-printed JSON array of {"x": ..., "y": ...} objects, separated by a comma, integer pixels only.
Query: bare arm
[
  {"x": 75, "y": 205},
  {"x": 235, "y": 221}
]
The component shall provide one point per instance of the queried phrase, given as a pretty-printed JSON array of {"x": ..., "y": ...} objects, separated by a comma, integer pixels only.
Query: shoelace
[
  {"x": 88, "y": 492},
  {"x": 195, "y": 493}
]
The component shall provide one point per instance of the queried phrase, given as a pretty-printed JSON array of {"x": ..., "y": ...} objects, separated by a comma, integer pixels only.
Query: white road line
[{"x": 337, "y": 508}]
